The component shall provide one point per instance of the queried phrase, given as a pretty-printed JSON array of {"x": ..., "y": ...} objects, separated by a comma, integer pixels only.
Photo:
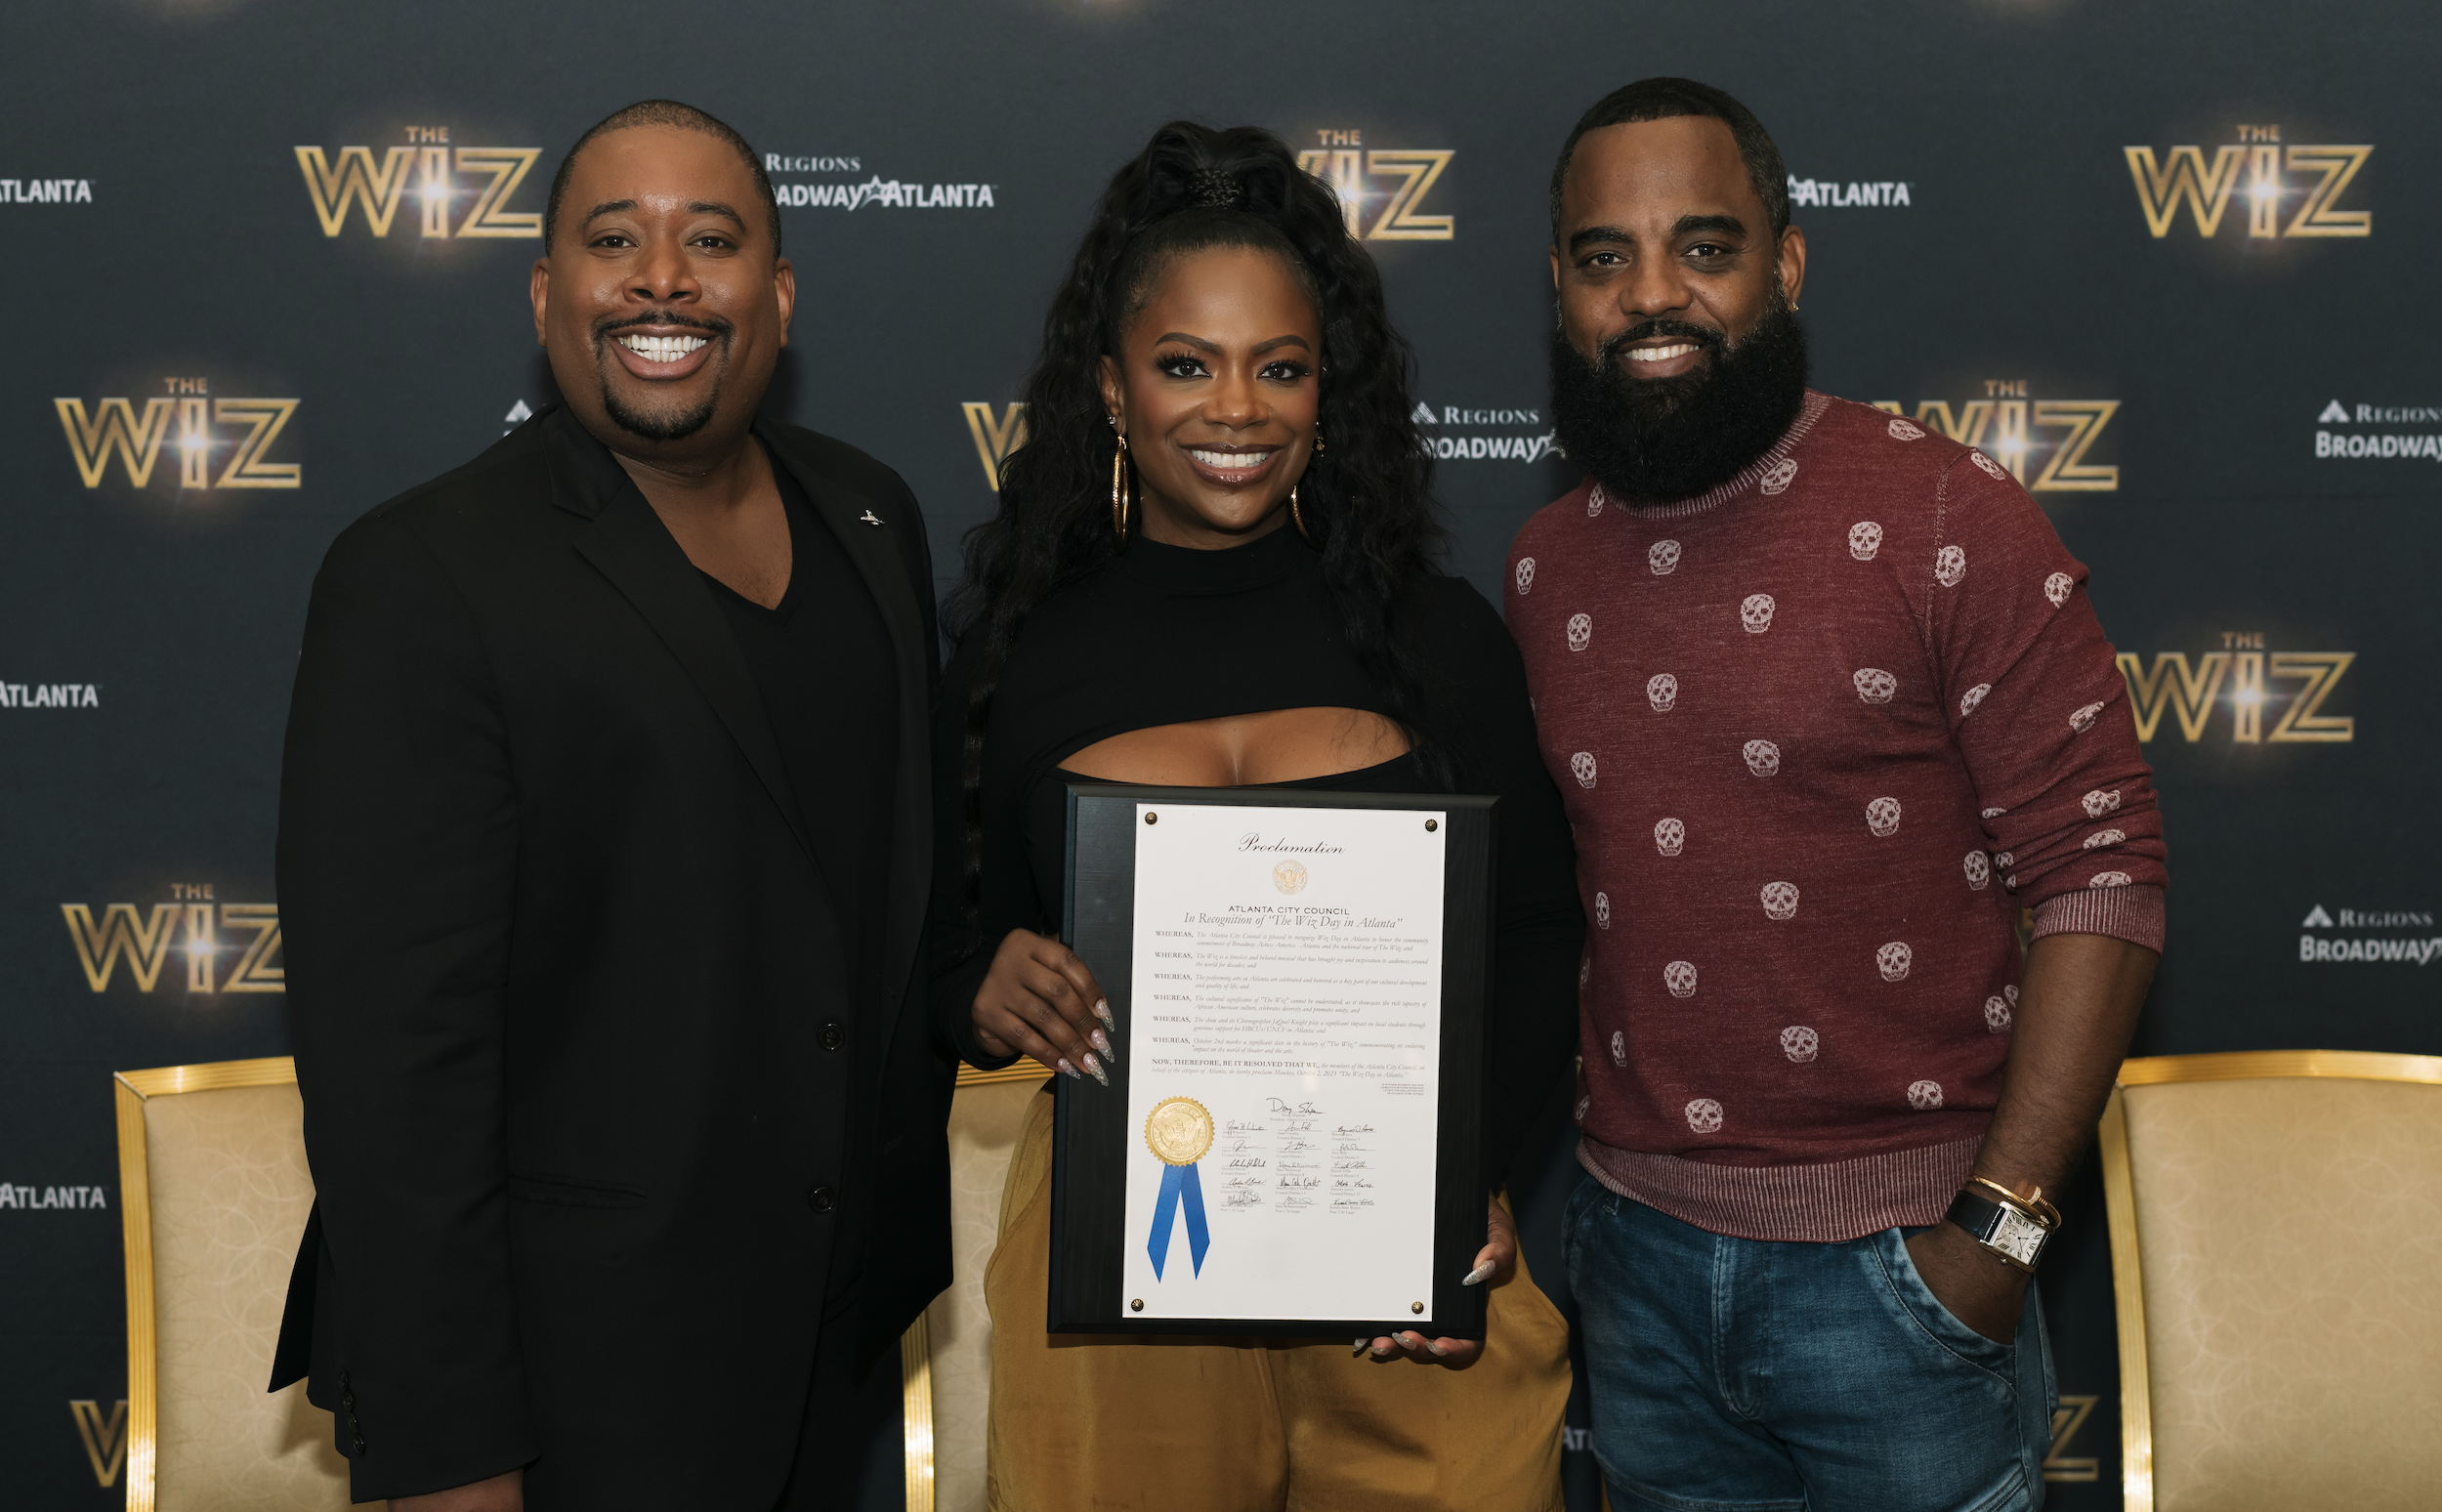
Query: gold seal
[
  {"x": 1290, "y": 876},
  {"x": 1178, "y": 1131}
]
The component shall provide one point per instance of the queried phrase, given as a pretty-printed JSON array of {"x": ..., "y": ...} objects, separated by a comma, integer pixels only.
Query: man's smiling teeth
[
  {"x": 1231, "y": 461},
  {"x": 1660, "y": 354},
  {"x": 662, "y": 348}
]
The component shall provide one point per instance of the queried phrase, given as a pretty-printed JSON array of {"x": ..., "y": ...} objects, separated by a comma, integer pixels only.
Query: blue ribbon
[{"x": 1175, "y": 1180}]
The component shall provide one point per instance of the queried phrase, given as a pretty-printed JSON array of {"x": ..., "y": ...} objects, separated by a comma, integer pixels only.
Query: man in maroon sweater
[{"x": 1829, "y": 705}]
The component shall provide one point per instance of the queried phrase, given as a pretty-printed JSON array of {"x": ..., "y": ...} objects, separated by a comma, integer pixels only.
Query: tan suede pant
[{"x": 1251, "y": 1425}]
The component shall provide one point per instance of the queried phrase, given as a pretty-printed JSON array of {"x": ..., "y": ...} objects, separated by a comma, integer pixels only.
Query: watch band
[{"x": 2014, "y": 1236}]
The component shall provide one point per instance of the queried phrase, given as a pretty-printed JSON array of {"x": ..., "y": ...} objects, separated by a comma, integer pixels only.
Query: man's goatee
[{"x": 1657, "y": 439}]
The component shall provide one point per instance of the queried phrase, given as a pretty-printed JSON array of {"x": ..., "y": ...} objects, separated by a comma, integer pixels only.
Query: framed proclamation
[{"x": 1289, "y": 1143}]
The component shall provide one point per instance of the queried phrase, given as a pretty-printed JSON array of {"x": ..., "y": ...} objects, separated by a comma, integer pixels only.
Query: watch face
[{"x": 2017, "y": 1235}]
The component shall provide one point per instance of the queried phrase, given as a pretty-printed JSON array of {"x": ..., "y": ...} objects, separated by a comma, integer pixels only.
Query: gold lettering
[
  {"x": 105, "y": 1439},
  {"x": 2301, "y": 722},
  {"x": 247, "y": 468},
  {"x": 2206, "y": 191},
  {"x": 1421, "y": 169},
  {"x": 2246, "y": 698},
  {"x": 144, "y": 943},
  {"x": 355, "y": 179},
  {"x": 994, "y": 439},
  {"x": 202, "y": 948},
  {"x": 2171, "y": 684},
  {"x": 1345, "y": 172},
  {"x": 114, "y": 429},
  {"x": 508, "y": 167},
  {"x": 434, "y": 189},
  {"x": 254, "y": 971},
  {"x": 2067, "y": 470},
  {"x": 194, "y": 444},
  {"x": 2066, "y": 1419},
  {"x": 2337, "y": 165}
]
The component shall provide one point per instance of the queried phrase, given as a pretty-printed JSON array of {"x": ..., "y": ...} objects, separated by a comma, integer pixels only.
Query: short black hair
[
  {"x": 675, "y": 116},
  {"x": 1660, "y": 99}
]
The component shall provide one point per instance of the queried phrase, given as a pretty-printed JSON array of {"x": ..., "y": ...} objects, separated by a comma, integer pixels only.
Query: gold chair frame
[
  {"x": 135, "y": 1088},
  {"x": 2136, "y": 1417}
]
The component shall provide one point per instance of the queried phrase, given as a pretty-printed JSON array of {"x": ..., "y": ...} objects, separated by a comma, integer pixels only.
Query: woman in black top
[{"x": 1214, "y": 565}]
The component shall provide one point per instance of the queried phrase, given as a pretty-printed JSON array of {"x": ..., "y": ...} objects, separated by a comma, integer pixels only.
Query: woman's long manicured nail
[
  {"x": 1436, "y": 1349},
  {"x": 1361, "y": 1349},
  {"x": 1095, "y": 1068},
  {"x": 1100, "y": 1043},
  {"x": 1066, "y": 1070},
  {"x": 1478, "y": 1274},
  {"x": 1101, "y": 1011}
]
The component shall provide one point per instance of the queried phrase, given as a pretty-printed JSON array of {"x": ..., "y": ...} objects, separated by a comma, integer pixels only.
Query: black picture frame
[{"x": 1092, "y": 1136}]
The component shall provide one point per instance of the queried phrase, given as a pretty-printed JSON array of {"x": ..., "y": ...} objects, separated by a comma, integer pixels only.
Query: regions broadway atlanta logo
[
  {"x": 1863, "y": 193},
  {"x": 2353, "y": 444},
  {"x": 2292, "y": 190},
  {"x": 2414, "y": 950},
  {"x": 874, "y": 192},
  {"x": 1448, "y": 431},
  {"x": 459, "y": 192}
]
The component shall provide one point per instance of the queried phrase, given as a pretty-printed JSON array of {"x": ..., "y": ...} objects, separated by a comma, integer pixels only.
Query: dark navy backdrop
[{"x": 2167, "y": 261}]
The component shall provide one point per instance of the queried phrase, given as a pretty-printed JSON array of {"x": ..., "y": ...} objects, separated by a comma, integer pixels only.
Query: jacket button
[
  {"x": 822, "y": 1199},
  {"x": 833, "y": 1037}
]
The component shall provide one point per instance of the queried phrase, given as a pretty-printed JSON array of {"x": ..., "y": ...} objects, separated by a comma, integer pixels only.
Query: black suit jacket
[{"x": 564, "y": 980}]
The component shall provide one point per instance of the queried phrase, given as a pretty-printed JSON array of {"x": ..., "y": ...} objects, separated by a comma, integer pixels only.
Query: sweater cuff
[{"x": 2133, "y": 913}]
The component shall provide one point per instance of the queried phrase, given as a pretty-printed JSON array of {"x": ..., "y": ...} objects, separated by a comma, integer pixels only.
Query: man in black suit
[{"x": 603, "y": 853}]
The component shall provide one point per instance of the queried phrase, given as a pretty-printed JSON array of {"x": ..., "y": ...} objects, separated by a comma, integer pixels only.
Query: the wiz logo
[
  {"x": 2191, "y": 693},
  {"x": 1343, "y": 161},
  {"x": 485, "y": 177},
  {"x": 205, "y": 426},
  {"x": 209, "y": 930},
  {"x": 2013, "y": 429},
  {"x": 994, "y": 438},
  {"x": 2257, "y": 156}
]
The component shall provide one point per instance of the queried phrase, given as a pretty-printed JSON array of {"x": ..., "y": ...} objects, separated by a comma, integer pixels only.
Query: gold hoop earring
[
  {"x": 1120, "y": 491},
  {"x": 1300, "y": 519}
]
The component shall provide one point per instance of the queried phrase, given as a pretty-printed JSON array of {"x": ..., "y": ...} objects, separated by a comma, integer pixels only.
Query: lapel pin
[{"x": 870, "y": 518}]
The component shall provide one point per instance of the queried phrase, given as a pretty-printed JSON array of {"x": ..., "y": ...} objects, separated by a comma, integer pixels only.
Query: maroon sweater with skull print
[{"x": 1820, "y": 732}]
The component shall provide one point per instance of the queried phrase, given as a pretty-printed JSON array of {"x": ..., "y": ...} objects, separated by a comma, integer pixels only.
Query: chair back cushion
[
  {"x": 984, "y": 1123},
  {"x": 2290, "y": 1235},
  {"x": 230, "y": 1195}
]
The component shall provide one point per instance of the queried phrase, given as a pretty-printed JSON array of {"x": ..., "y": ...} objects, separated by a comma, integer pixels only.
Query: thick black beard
[
  {"x": 1666, "y": 438},
  {"x": 662, "y": 427}
]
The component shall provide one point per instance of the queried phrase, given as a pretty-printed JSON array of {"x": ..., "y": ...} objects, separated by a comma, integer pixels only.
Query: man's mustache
[
  {"x": 1704, "y": 336},
  {"x": 609, "y": 323}
]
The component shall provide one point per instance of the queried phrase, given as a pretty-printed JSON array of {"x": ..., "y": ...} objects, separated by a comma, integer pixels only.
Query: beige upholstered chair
[
  {"x": 946, "y": 1356},
  {"x": 213, "y": 1194},
  {"x": 2276, "y": 1237}
]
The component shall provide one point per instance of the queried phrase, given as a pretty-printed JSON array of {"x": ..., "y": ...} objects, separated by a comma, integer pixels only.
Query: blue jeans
[{"x": 1734, "y": 1375}]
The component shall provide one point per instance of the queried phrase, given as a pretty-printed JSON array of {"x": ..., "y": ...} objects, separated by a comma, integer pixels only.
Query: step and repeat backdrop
[{"x": 2170, "y": 262}]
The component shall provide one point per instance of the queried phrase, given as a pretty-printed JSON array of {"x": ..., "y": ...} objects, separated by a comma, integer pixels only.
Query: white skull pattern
[
  {"x": 1595, "y": 501},
  {"x": 1755, "y": 612},
  {"x": 1619, "y": 1048},
  {"x": 1990, "y": 467},
  {"x": 2109, "y": 879},
  {"x": 1780, "y": 900},
  {"x": 1763, "y": 758},
  {"x": 1662, "y": 690},
  {"x": 1602, "y": 910},
  {"x": 1995, "y": 813},
  {"x": 2105, "y": 837},
  {"x": 1703, "y": 1115},
  {"x": 1901, "y": 430},
  {"x": 1778, "y": 476},
  {"x": 1662, "y": 556},
  {"x": 2006, "y": 860},
  {"x": 1670, "y": 836},
  {"x": 2101, "y": 801},
  {"x": 1585, "y": 970},
  {"x": 2083, "y": 720},
  {"x": 1973, "y": 696},
  {"x": 1924, "y": 1096},
  {"x": 1581, "y": 766},
  {"x": 1979, "y": 870},
  {"x": 1950, "y": 566},
  {"x": 1996, "y": 1014},
  {"x": 1800, "y": 1043},
  {"x": 2056, "y": 588},
  {"x": 1873, "y": 685},
  {"x": 1526, "y": 576},
  {"x": 1584, "y": 1104},
  {"x": 1865, "y": 538},
  {"x": 1893, "y": 960},
  {"x": 1883, "y": 818},
  {"x": 1680, "y": 977},
  {"x": 1580, "y": 632}
]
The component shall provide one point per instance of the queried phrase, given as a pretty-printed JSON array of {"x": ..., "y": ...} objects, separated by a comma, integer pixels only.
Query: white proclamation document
[{"x": 1283, "y": 1063}]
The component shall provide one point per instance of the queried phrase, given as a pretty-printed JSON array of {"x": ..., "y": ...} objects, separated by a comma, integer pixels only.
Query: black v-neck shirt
[
  {"x": 823, "y": 651},
  {"x": 1163, "y": 635}
]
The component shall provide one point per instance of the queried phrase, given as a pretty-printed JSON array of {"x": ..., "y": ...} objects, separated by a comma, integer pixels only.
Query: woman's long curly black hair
[{"x": 1366, "y": 497}]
